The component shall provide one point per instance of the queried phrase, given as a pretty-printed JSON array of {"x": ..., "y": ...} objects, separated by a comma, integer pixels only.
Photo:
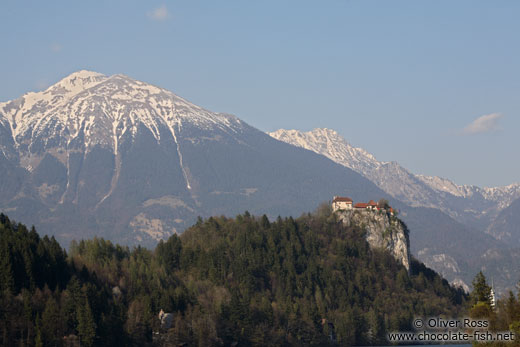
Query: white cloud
[
  {"x": 159, "y": 14},
  {"x": 483, "y": 124},
  {"x": 56, "y": 47}
]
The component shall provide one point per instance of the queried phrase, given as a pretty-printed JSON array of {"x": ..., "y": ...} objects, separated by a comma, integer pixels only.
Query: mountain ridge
[
  {"x": 417, "y": 190},
  {"x": 117, "y": 158},
  {"x": 78, "y": 87},
  {"x": 92, "y": 147},
  {"x": 506, "y": 226},
  {"x": 451, "y": 233}
]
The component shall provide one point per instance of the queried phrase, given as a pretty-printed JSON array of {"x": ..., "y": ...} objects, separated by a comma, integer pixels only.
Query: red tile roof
[
  {"x": 372, "y": 203},
  {"x": 361, "y": 205}
]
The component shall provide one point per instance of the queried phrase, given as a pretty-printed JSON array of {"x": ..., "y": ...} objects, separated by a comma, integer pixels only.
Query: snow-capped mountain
[
  {"x": 84, "y": 138},
  {"x": 457, "y": 251},
  {"x": 90, "y": 109},
  {"x": 502, "y": 196},
  {"x": 329, "y": 143},
  {"x": 132, "y": 162},
  {"x": 470, "y": 205}
]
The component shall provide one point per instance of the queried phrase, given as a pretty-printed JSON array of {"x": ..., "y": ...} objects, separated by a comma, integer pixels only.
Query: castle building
[
  {"x": 341, "y": 203},
  {"x": 345, "y": 203}
]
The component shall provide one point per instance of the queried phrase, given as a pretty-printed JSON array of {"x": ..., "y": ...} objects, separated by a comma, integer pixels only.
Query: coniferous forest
[{"x": 243, "y": 281}]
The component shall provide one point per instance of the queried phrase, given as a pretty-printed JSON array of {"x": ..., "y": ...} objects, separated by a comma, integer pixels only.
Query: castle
[
  {"x": 381, "y": 228},
  {"x": 346, "y": 203}
]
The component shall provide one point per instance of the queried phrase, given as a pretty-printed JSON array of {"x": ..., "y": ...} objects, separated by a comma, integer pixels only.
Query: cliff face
[
  {"x": 382, "y": 231},
  {"x": 470, "y": 205}
]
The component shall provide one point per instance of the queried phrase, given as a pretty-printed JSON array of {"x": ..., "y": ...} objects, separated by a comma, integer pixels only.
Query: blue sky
[{"x": 433, "y": 85}]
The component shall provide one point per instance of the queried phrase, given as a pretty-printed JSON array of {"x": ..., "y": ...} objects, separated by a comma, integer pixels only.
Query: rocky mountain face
[
  {"x": 470, "y": 205},
  {"x": 134, "y": 163},
  {"x": 456, "y": 230},
  {"x": 458, "y": 252},
  {"x": 506, "y": 226},
  {"x": 382, "y": 231}
]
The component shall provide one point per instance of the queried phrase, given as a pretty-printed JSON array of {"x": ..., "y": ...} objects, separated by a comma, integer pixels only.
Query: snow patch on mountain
[
  {"x": 501, "y": 195},
  {"x": 329, "y": 143},
  {"x": 91, "y": 105},
  {"x": 416, "y": 190},
  {"x": 88, "y": 109}
]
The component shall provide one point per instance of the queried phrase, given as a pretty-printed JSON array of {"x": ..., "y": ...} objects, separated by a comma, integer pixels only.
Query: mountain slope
[
  {"x": 506, "y": 226},
  {"x": 447, "y": 221},
  {"x": 470, "y": 205},
  {"x": 134, "y": 163},
  {"x": 117, "y": 157},
  {"x": 245, "y": 281}
]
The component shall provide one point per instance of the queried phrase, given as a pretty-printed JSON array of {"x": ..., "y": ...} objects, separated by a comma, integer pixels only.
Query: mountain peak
[
  {"x": 79, "y": 78},
  {"x": 331, "y": 144},
  {"x": 88, "y": 108},
  {"x": 76, "y": 82},
  {"x": 325, "y": 131},
  {"x": 83, "y": 74}
]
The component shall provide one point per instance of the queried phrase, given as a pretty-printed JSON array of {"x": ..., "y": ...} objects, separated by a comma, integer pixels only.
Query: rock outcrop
[
  {"x": 470, "y": 205},
  {"x": 382, "y": 231}
]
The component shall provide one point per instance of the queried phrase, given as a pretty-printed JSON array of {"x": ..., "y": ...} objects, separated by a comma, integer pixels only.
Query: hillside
[
  {"x": 473, "y": 206},
  {"x": 506, "y": 226},
  {"x": 246, "y": 280},
  {"x": 118, "y": 158},
  {"x": 448, "y": 220}
]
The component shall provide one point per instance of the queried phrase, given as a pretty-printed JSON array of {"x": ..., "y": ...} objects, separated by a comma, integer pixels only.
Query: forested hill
[{"x": 304, "y": 281}]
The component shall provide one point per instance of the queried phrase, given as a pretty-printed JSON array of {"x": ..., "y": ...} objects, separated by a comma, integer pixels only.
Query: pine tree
[
  {"x": 481, "y": 298},
  {"x": 6, "y": 266},
  {"x": 28, "y": 313},
  {"x": 168, "y": 253},
  {"x": 38, "y": 340},
  {"x": 265, "y": 222},
  {"x": 481, "y": 290},
  {"x": 50, "y": 323},
  {"x": 376, "y": 328},
  {"x": 86, "y": 325}
]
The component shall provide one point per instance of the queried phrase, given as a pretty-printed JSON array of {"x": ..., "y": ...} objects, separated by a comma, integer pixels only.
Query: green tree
[
  {"x": 6, "y": 266},
  {"x": 50, "y": 323},
  {"x": 480, "y": 298},
  {"x": 28, "y": 314},
  {"x": 481, "y": 290},
  {"x": 168, "y": 253},
  {"x": 138, "y": 324},
  {"x": 86, "y": 324}
]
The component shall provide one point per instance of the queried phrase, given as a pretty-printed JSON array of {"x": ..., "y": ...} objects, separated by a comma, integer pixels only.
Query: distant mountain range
[
  {"x": 134, "y": 163},
  {"x": 486, "y": 235},
  {"x": 506, "y": 226},
  {"x": 471, "y": 205}
]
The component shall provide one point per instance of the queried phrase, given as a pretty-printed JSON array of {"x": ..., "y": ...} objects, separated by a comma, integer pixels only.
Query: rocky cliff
[
  {"x": 473, "y": 206},
  {"x": 382, "y": 231}
]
